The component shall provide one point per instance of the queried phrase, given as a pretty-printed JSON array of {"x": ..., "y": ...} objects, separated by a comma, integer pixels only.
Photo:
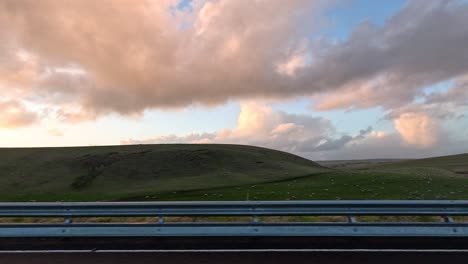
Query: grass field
[{"x": 217, "y": 172}]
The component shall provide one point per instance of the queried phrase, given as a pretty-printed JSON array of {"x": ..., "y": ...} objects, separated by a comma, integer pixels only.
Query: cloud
[
  {"x": 389, "y": 66},
  {"x": 334, "y": 144},
  {"x": 417, "y": 129},
  {"x": 189, "y": 138},
  {"x": 171, "y": 58},
  {"x": 435, "y": 108},
  {"x": 316, "y": 138},
  {"x": 293, "y": 64},
  {"x": 135, "y": 55},
  {"x": 14, "y": 114},
  {"x": 258, "y": 124},
  {"x": 391, "y": 145},
  {"x": 457, "y": 95}
]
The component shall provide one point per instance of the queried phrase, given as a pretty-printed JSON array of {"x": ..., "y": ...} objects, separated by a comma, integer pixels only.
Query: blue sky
[{"x": 348, "y": 14}]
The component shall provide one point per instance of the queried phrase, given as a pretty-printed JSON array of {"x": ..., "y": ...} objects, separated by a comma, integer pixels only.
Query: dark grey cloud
[
  {"x": 390, "y": 146},
  {"x": 388, "y": 66},
  {"x": 333, "y": 143},
  {"x": 440, "y": 105},
  {"x": 458, "y": 94}
]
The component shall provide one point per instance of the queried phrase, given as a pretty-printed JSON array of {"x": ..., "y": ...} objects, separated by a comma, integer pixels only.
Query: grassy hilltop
[{"x": 218, "y": 172}]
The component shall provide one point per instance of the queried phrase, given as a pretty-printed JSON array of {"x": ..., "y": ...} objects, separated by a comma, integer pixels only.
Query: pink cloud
[
  {"x": 141, "y": 55},
  {"x": 14, "y": 114},
  {"x": 317, "y": 138},
  {"x": 417, "y": 129}
]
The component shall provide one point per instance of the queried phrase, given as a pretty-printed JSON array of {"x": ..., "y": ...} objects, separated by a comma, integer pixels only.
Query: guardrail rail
[{"x": 255, "y": 210}]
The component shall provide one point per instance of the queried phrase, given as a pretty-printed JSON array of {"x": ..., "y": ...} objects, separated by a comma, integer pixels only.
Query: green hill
[
  {"x": 457, "y": 164},
  {"x": 218, "y": 172},
  {"x": 115, "y": 172}
]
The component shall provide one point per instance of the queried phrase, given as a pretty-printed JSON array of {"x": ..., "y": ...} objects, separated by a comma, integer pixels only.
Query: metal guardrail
[
  {"x": 247, "y": 208},
  {"x": 349, "y": 209}
]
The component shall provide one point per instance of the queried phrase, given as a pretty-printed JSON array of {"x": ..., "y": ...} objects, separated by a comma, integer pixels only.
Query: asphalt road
[
  {"x": 239, "y": 250},
  {"x": 238, "y": 257}
]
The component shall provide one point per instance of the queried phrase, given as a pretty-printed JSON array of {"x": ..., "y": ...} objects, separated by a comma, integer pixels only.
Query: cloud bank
[
  {"x": 259, "y": 124},
  {"x": 316, "y": 138},
  {"x": 88, "y": 58}
]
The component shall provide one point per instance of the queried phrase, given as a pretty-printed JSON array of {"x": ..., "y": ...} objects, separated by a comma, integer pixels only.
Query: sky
[{"x": 341, "y": 79}]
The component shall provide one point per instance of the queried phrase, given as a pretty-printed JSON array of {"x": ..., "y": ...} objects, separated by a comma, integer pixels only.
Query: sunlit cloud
[
  {"x": 228, "y": 49},
  {"x": 258, "y": 124},
  {"x": 417, "y": 129},
  {"x": 15, "y": 114}
]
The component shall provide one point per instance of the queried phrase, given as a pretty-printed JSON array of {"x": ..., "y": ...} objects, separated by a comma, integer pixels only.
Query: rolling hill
[
  {"x": 457, "y": 164},
  {"x": 113, "y": 172}
]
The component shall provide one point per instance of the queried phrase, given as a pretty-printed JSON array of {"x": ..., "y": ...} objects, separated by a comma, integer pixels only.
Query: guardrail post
[
  {"x": 447, "y": 219},
  {"x": 351, "y": 219},
  {"x": 255, "y": 219},
  {"x": 161, "y": 220},
  {"x": 68, "y": 220}
]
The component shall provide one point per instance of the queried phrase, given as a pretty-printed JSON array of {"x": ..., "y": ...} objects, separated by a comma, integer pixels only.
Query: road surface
[{"x": 237, "y": 257}]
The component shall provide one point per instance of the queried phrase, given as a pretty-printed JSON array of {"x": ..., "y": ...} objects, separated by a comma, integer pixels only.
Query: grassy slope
[
  {"x": 114, "y": 172},
  {"x": 434, "y": 178},
  {"x": 216, "y": 172},
  {"x": 449, "y": 164}
]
